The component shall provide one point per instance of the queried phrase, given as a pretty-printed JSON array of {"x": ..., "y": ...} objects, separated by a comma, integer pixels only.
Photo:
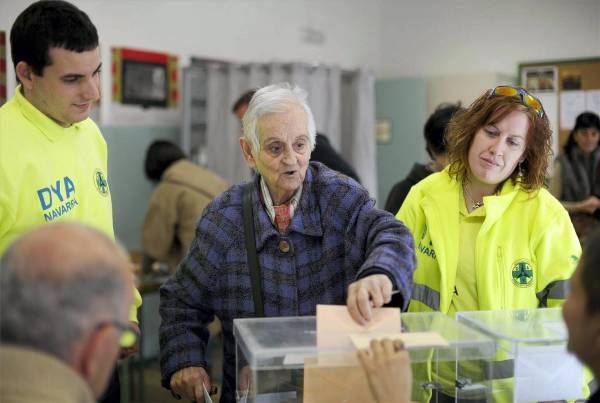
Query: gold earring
[{"x": 520, "y": 169}]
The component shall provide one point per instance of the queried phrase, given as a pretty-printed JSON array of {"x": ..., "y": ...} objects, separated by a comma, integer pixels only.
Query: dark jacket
[
  {"x": 326, "y": 154},
  {"x": 336, "y": 236},
  {"x": 580, "y": 175},
  {"x": 400, "y": 190}
]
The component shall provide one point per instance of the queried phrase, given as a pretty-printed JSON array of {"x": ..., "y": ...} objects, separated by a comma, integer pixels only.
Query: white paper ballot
[
  {"x": 334, "y": 324},
  {"x": 415, "y": 339}
]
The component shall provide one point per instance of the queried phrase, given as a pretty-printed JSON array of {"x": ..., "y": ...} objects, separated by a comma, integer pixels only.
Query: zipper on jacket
[{"x": 500, "y": 281}]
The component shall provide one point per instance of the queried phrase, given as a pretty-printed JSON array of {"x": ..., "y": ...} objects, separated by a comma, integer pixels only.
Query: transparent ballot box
[
  {"x": 532, "y": 363},
  {"x": 278, "y": 360}
]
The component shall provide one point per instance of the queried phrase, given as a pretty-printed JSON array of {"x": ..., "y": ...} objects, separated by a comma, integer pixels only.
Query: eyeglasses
[
  {"x": 528, "y": 100},
  {"x": 129, "y": 334}
]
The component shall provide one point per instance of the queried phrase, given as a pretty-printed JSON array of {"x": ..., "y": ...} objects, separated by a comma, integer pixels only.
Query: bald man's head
[
  {"x": 59, "y": 251},
  {"x": 59, "y": 283}
]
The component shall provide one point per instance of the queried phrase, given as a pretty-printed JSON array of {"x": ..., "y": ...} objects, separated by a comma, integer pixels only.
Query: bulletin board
[{"x": 569, "y": 87}]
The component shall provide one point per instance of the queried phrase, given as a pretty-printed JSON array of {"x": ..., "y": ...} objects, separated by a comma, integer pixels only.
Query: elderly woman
[
  {"x": 576, "y": 179},
  {"x": 488, "y": 235},
  {"x": 299, "y": 235}
]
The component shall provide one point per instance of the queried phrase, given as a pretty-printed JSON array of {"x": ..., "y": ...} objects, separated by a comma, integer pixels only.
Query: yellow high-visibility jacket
[
  {"x": 525, "y": 252},
  {"x": 50, "y": 173}
]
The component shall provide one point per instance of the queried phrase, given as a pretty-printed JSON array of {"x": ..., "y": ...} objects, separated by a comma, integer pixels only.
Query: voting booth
[
  {"x": 297, "y": 359},
  {"x": 532, "y": 363}
]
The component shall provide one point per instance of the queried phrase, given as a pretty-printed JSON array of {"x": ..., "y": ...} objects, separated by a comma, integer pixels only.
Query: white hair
[{"x": 276, "y": 98}]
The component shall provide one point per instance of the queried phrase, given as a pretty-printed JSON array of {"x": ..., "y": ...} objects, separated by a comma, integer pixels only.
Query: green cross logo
[
  {"x": 101, "y": 182},
  {"x": 522, "y": 274}
]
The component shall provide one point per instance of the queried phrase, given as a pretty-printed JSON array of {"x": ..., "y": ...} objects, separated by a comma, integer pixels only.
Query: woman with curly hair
[{"x": 488, "y": 235}]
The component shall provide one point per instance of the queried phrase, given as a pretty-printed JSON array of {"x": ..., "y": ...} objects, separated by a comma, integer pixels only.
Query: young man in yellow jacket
[{"x": 53, "y": 158}]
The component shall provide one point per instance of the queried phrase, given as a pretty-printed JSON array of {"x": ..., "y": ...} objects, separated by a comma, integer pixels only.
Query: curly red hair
[{"x": 487, "y": 110}]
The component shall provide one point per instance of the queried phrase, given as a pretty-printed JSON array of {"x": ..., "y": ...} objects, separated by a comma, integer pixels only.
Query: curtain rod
[{"x": 222, "y": 64}]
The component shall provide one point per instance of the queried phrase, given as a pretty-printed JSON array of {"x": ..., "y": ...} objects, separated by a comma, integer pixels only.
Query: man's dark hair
[
  {"x": 591, "y": 272},
  {"x": 50, "y": 24},
  {"x": 160, "y": 155},
  {"x": 435, "y": 127},
  {"x": 244, "y": 99}
]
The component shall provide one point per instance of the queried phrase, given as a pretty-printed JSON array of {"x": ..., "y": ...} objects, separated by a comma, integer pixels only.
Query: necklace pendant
[{"x": 476, "y": 205}]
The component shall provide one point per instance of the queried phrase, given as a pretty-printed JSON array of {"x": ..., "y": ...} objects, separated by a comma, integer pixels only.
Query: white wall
[
  {"x": 463, "y": 88},
  {"x": 240, "y": 30},
  {"x": 433, "y": 37},
  {"x": 396, "y": 38}
]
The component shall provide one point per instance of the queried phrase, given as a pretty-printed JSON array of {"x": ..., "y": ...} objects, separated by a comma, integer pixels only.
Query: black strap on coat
[{"x": 251, "y": 252}]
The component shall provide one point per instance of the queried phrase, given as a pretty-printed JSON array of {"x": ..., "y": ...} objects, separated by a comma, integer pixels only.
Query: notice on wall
[
  {"x": 592, "y": 101},
  {"x": 572, "y": 103}
]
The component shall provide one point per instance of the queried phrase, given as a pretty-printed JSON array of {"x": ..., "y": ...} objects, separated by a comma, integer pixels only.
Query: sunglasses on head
[{"x": 526, "y": 98}]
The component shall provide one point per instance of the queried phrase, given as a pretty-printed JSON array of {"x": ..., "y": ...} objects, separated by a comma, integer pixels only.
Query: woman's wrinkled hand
[
  {"x": 367, "y": 293},
  {"x": 189, "y": 383}
]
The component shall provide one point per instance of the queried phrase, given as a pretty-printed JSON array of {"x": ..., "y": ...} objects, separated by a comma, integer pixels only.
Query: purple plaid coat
[{"x": 336, "y": 237}]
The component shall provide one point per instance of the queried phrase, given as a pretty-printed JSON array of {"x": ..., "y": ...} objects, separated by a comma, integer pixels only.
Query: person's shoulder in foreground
[{"x": 83, "y": 285}]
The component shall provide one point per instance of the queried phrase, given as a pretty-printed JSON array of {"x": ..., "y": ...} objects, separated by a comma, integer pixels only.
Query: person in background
[
  {"x": 435, "y": 145},
  {"x": 63, "y": 309},
  {"x": 581, "y": 311},
  {"x": 184, "y": 189},
  {"x": 576, "y": 178},
  {"x": 488, "y": 234},
  {"x": 315, "y": 235},
  {"x": 323, "y": 151},
  {"x": 53, "y": 158}
]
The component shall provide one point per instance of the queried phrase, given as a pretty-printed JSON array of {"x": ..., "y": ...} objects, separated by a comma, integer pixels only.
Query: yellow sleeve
[
  {"x": 137, "y": 302},
  {"x": 408, "y": 210},
  {"x": 557, "y": 252}
]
